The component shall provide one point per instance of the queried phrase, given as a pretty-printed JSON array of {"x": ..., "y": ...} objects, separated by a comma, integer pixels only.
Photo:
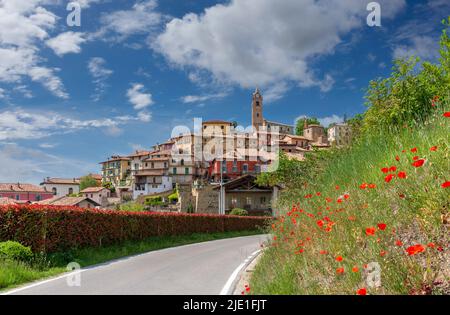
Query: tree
[
  {"x": 301, "y": 123},
  {"x": 88, "y": 181}
]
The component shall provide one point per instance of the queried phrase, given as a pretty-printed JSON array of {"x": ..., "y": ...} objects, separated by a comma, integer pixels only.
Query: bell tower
[{"x": 257, "y": 109}]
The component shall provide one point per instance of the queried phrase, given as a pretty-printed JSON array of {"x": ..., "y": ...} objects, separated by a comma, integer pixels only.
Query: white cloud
[
  {"x": 326, "y": 121},
  {"x": 264, "y": 42},
  {"x": 47, "y": 145},
  {"x": 142, "y": 18},
  {"x": 138, "y": 97},
  {"x": 24, "y": 25},
  {"x": 100, "y": 73},
  {"x": 202, "y": 98},
  {"x": 425, "y": 47},
  {"x": 65, "y": 43},
  {"x": 21, "y": 124},
  {"x": 144, "y": 116},
  {"x": 275, "y": 92},
  {"x": 2, "y": 93},
  {"x": 31, "y": 165}
]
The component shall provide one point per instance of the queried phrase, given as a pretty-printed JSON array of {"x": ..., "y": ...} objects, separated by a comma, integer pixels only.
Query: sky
[{"x": 71, "y": 96}]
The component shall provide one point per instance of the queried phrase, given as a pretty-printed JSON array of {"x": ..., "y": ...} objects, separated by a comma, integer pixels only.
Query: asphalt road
[{"x": 203, "y": 268}]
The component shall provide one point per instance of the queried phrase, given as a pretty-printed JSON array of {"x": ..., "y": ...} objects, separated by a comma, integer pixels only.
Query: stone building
[
  {"x": 61, "y": 187},
  {"x": 340, "y": 134}
]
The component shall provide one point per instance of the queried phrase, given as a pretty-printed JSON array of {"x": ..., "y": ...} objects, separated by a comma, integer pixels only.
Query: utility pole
[{"x": 221, "y": 208}]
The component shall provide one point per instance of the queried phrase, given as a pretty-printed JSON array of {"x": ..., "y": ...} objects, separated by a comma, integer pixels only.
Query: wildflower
[
  {"x": 440, "y": 249},
  {"x": 392, "y": 169},
  {"x": 362, "y": 291},
  {"x": 399, "y": 243},
  {"x": 363, "y": 186},
  {"x": 323, "y": 252},
  {"x": 320, "y": 223},
  {"x": 337, "y": 187},
  {"x": 446, "y": 184},
  {"x": 339, "y": 200},
  {"x": 401, "y": 175},
  {"x": 382, "y": 253},
  {"x": 385, "y": 170},
  {"x": 415, "y": 158},
  {"x": 352, "y": 218},
  {"x": 370, "y": 231},
  {"x": 402, "y": 196},
  {"x": 318, "y": 193},
  {"x": 431, "y": 245},
  {"x": 339, "y": 258},
  {"x": 413, "y": 150},
  {"x": 397, "y": 158},
  {"x": 447, "y": 114},
  {"x": 434, "y": 148},
  {"x": 355, "y": 269},
  {"x": 419, "y": 163},
  {"x": 372, "y": 186},
  {"x": 346, "y": 196},
  {"x": 340, "y": 270},
  {"x": 415, "y": 249},
  {"x": 388, "y": 178},
  {"x": 381, "y": 226}
]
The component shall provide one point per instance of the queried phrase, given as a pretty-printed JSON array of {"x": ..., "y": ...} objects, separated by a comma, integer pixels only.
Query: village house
[
  {"x": 340, "y": 134},
  {"x": 24, "y": 192},
  {"x": 99, "y": 195},
  {"x": 81, "y": 202},
  {"x": 117, "y": 171},
  {"x": 61, "y": 186}
]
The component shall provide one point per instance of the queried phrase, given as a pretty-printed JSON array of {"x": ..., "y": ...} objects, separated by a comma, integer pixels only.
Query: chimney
[{"x": 305, "y": 126}]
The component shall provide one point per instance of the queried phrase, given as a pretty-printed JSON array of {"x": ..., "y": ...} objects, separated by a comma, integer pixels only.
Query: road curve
[{"x": 196, "y": 269}]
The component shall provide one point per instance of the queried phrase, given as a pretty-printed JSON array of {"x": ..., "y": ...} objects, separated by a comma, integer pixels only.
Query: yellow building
[{"x": 117, "y": 171}]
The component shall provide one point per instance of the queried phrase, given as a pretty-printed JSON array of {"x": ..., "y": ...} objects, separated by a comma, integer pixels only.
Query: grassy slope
[
  {"x": 16, "y": 273},
  {"x": 415, "y": 219}
]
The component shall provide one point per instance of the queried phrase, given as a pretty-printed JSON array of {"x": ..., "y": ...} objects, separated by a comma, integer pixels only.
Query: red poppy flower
[
  {"x": 340, "y": 270},
  {"x": 402, "y": 175},
  {"x": 339, "y": 200},
  {"x": 371, "y": 186},
  {"x": 337, "y": 187},
  {"x": 415, "y": 249},
  {"x": 440, "y": 248},
  {"x": 339, "y": 258},
  {"x": 382, "y": 226},
  {"x": 414, "y": 150},
  {"x": 419, "y": 163},
  {"x": 433, "y": 148},
  {"x": 320, "y": 223},
  {"x": 382, "y": 253},
  {"x": 323, "y": 252},
  {"x": 363, "y": 186},
  {"x": 399, "y": 243},
  {"x": 397, "y": 158},
  {"x": 385, "y": 170},
  {"x": 346, "y": 196},
  {"x": 446, "y": 184},
  {"x": 393, "y": 168},
  {"x": 447, "y": 114},
  {"x": 402, "y": 196},
  {"x": 355, "y": 269},
  {"x": 388, "y": 178},
  {"x": 362, "y": 291},
  {"x": 370, "y": 231},
  {"x": 318, "y": 193},
  {"x": 415, "y": 158},
  {"x": 352, "y": 218}
]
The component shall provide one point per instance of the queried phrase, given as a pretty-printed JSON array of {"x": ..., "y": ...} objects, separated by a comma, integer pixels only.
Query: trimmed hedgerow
[{"x": 53, "y": 229}]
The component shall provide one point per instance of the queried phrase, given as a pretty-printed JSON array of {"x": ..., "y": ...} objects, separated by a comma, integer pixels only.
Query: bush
[
  {"x": 154, "y": 201},
  {"x": 239, "y": 212},
  {"x": 15, "y": 251},
  {"x": 173, "y": 198},
  {"x": 54, "y": 229},
  {"x": 132, "y": 207}
]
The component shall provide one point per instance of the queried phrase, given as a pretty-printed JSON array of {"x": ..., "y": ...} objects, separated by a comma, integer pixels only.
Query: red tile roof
[
  {"x": 93, "y": 189},
  {"x": 62, "y": 181},
  {"x": 19, "y": 187}
]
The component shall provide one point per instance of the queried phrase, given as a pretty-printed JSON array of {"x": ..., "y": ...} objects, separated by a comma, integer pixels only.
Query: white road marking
[{"x": 232, "y": 278}]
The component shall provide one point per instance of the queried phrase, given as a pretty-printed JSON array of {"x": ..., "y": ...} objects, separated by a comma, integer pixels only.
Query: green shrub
[
  {"x": 173, "y": 198},
  {"x": 15, "y": 251},
  {"x": 154, "y": 201},
  {"x": 238, "y": 211},
  {"x": 132, "y": 207}
]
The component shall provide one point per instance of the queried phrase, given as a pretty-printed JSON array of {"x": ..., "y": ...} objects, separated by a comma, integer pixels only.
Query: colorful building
[{"x": 24, "y": 192}]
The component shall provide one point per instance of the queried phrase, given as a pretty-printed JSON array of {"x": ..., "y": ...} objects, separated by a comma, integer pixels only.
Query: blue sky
[{"x": 72, "y": 96}]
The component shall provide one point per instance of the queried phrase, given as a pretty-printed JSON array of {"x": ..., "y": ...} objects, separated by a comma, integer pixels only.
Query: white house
[
  {"x": 97, "y": 194},
  {"x": 340, "y": 134},
  {"x": 61, "y": 187}
]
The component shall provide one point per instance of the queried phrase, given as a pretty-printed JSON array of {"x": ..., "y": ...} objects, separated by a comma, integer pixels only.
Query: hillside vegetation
[{"x": 372, "y": 218}]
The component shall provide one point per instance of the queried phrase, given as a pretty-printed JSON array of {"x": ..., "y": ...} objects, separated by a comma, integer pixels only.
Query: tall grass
[{"x": 414, "y": 209}]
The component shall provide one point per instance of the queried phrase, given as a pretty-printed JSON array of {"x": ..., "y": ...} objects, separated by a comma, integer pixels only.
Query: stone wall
[{"x": 206, "y": 200}]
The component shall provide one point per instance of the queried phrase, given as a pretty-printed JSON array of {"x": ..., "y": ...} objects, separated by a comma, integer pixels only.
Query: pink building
[{"x": 24, "y": 192}]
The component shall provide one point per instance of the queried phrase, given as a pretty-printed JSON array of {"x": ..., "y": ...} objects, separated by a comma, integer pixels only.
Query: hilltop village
[{"x": 212, "y": 170}]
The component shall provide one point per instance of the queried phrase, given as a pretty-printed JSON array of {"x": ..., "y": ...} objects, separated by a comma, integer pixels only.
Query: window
[
  {"x": 38, "y": 198},
  {"x": 70, "y": 191},
  {"x": 257, "y": 169},
  {"x": 54, "y": 191},
  {"x": 248, "y": 201},
  {"x": 257, "y": 114},
  {"x": 257, "y": 103},
  {"x": 92, "y": 195},
  {"x": 186, "y": 171},
  {"x": 224, "y": 167},
  {"x": 174, "y": 171},
  {"x": 245, "y": 168},
  {"x": 17, "y": 197},
  {"x": 153, "y": 165},
  {"x": 235, "y": 169},
  {"x": 182, "y": 162},
  {"x": 263, "y": 200}
]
